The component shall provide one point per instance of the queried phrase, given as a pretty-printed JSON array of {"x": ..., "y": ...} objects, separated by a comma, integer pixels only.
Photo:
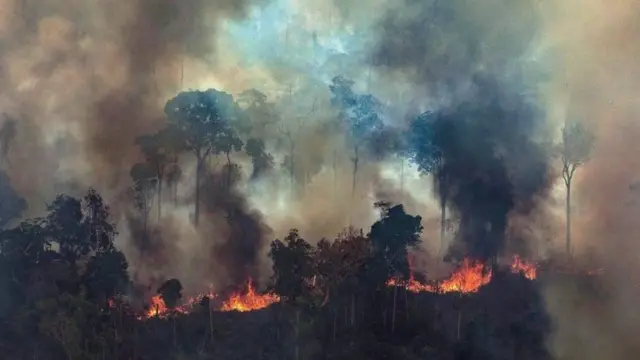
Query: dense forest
[{"x": 68, "y": 294}]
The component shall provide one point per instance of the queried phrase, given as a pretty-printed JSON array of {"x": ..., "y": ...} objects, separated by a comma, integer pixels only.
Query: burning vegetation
[{"x": 245, "y": 300}]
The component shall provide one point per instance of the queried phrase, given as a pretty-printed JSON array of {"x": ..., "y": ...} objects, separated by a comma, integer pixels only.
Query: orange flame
[
  {"x": 243, "y": 301},
  {"x": 468, "y": 278},
  {"x": 249, "y": 300},
  {"x": 520, "y": 266}
]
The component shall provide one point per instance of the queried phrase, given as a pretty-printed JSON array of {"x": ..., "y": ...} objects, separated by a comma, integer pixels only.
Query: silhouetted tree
[
  {"x": 171, "y": 293},
  {"x": 424, "y": 152},
  {"x": 228, "y": 142},
  {"x": 391, "y": 236},
  {"x": 144, "y": 189},
  {"x": 173, "y": 178},
  {"x": 360, "y": 113},
  {"x": 261, "y": 160},
  {"x": 575, "y": 149},
  {"x": 292, "y": 272},
  {"x": 203, "y": 118},
  {"x": 160, "y": 150}
]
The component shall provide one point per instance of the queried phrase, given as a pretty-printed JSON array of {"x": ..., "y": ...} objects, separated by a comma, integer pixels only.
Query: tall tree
[
  {"x": 174, "y": 174},
  {"x": 391, "y": 236},
  {"x": 160, "y": 151},
  {"x": 260, "y": 112},
  {"x": 171, "y": 293},
  {"x": 144, "y": 189},
  {"x": 203, "y": 117},
  {"x": 429, "y": 158},
  {"x": 292, "y": 272},
  {"x": 228, "y": 142},
  {"x": 360, "y": 113},
  {"x": 577, "y": 142},
  {"x": 262, "y": 161}
]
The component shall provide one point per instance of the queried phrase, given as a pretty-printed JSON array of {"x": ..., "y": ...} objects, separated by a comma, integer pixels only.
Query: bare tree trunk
[
  {"x": 568, "y": 217},
  {"x": 402, "y": 178},
  {"x": 406, "y": 304},
  {"x": 353, "y": 309},
  {"x": 335, "y": 324},
  {"x": 335, "y": 171},
  {"x": 297, "y": 350},
  {"x": 393, "y": 314},
  {"x": 159, "y": 197},
  {"x": 443, "y": 224},
  {"x": 355, "y": 171},
  {"x": 175, "y": 194},
  {"x": 210, "y": 323},
  {"x": 200, "y": 163},
  {"x": 228, "y": 172},
  {"x": 175, "y": 332},
  {"x": 459, "y": 323}
]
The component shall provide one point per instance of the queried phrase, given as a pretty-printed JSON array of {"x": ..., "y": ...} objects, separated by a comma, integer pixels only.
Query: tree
[
  {"x": 430, "y": 160},
  {"x": 360, "y": 113},
  {"x": 203, "y": 118},
  {"x": 390, "y": 237},
  {"x": 106, "y": 276},
  {"x": 160, "y": 150},
  {"x": 79, "y": 227},
  {"x": 260, "y": 111},
  {"x": 577, "y": 142},
  {"x": 171, "y": 293},
  {"x": 292, "y": 272},
  {"x": 228, "y": 142},
  {"x": 144, "y": 189},
  {"x": 173, "y": 178},
  {"x": 261, "y": 160}
]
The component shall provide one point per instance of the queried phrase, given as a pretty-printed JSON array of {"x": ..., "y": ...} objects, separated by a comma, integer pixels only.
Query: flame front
[
  {"x": 520, "y": 266},
  {"x": 157, "y": 308},
  {"x": 243, "y": 301},
  {"x": 469, "y": 277},
  {"x": 249, "y": 300}
]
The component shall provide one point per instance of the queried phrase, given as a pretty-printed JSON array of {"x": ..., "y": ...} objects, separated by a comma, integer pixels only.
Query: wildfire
[
  {"x": 469, "y": 277},
  {"x": 249, "y": 300},
  {"x": 521, "y": 266}
]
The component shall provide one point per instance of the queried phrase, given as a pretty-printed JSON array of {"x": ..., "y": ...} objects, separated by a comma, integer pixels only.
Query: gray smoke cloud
[{"x": 83, "y": 79}]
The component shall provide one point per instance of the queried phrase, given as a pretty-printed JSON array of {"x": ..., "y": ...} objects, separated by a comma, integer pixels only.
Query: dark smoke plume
[
  {"x": 483, "y": 124},
  {"x": 238, "y": 248},
  {"x": 491, "y": 166}
]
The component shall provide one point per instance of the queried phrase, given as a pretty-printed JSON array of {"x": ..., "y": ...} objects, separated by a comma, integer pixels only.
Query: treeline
[{"x": 66, "y": 295}]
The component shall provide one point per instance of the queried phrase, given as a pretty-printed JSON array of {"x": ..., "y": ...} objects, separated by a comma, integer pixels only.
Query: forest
[
  {"x": 319, "y": 179},
  {"x": 68, "y": 292}
]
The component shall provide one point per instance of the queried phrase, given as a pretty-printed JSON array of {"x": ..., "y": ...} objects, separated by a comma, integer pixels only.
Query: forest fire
[
  {"x": 249, "y": 300},
  {"x": 469, "y": 277},
  {"x": 243, "y": 301},
  {"x": 521, "y": 266}
]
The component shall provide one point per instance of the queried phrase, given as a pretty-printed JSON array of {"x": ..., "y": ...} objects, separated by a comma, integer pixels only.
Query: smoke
[
  {"x": 467, "y": 60},
  {"x": 83, "y": 79},
  {"x": 595, "y": 81}
]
